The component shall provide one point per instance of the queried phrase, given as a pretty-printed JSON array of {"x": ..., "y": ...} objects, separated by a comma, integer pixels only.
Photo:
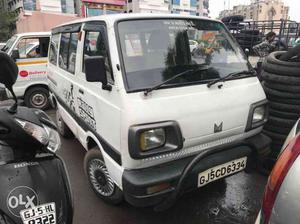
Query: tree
[{"x": 7, "y": 25}]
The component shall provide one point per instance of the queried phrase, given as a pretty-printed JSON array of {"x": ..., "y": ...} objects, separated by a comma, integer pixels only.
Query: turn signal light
[
  {"x": 158, "y": 188},
  {"x": 279, "y": 172}
]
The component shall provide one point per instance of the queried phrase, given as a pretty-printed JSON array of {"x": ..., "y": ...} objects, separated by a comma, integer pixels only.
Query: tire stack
[
  {"x": 248, "y": 38},
  {"x": 281, "y": 82}
]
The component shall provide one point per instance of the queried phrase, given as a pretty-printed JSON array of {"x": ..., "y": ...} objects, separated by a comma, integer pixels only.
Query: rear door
[{"x": 32, "y": 62}]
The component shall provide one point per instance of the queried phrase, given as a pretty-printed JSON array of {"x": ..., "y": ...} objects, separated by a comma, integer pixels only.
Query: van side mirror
[
  {"x": 8, "y": 76},
  {"x": 95, "y": 71},
  {"x": 15, "y": 54}
]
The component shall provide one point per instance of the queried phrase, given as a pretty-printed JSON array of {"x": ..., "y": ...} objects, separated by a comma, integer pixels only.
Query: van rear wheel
[
  {"x": 99, "y": 178},
  {"x": 37, "y": 97},
  {"x": 62, "y": 127}
]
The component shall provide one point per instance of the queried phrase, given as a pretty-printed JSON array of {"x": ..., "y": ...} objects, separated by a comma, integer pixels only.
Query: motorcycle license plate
[
  {"x": 221, "y": 171},
  {"x": 42, "y": 214}
]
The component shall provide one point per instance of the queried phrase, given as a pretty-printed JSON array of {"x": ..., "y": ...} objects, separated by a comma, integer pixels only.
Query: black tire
[
  {"x": 276, "y": 129},
  {"x": 283, "y": 114},
  {"x": 281, "y": 94},
  {"x": 275, "y": 136},
  {"x": 290, "y": 54},
  {"x": 275, "y": 66},
  {"x": 281, "y": 87},
  {"x": 99, "y": 179},
  {"x": 284, "y": 79},
  {"x": 62, "y": 127},
  {"x": 283, "y": 100},
  {"x": 37, "y": 97},
  {"x": 279, "y": 122},
  {"x": 285, "y": 107},
  {"x": 250, "y": 32}
]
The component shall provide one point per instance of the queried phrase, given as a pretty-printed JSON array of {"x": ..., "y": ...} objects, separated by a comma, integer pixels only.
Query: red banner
[{"x": 110, "y": 2}]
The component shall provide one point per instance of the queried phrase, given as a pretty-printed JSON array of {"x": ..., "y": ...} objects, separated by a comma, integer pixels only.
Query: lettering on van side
[{"x": 86, "y": 112}]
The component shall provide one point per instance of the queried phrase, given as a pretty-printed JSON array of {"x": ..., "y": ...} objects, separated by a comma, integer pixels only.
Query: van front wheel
[
  {"x": 37, "y": 97},
  {"x": 99, "y": 178}
]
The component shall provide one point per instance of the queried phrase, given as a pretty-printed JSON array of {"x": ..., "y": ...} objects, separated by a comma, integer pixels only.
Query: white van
[
  {"x": 156, "y": 120},
  {"x": 30, "y": 51}
]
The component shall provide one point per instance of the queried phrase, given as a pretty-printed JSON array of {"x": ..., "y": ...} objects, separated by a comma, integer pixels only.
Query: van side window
[
  {"x": 54, "y": 49},
  {"x": 63, "y": 51},
  {"x": 72, "y": 52},
  {"x": 95, "y": 45},
  {"x": 33, "y": 47},
  {"x": 67, "y": 52}
]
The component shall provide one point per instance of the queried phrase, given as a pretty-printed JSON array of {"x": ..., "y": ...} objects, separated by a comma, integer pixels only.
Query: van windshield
[
  {"x": 156, "y": 50},
  {"x": 9, "y": 44}
]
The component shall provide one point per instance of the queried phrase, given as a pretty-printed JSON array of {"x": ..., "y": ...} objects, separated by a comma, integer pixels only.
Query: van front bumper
[{"x": 136, "y": 182}]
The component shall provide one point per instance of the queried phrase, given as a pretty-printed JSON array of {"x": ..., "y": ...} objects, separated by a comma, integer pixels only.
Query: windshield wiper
[
  {"x": 190, "y": 71},
  {"x": 231, "y": 75}
]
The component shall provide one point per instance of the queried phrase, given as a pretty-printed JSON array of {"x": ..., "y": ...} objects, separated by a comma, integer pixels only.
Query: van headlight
[
  {"x": 153, "y": 139},
  {"x": 258, "y": 115}
]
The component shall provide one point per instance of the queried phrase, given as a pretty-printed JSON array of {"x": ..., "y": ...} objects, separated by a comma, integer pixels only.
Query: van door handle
[{"x": 81, "y": 91}]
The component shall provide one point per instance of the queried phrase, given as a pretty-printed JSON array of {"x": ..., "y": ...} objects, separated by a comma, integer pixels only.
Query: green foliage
[{"x": 7, "y": 25}]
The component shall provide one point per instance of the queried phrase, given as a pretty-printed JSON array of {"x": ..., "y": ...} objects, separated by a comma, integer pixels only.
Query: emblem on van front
[{"x": 218, "y": 128}]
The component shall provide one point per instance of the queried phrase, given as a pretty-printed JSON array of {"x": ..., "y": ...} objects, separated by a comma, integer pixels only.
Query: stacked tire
[
  {"x": 281, "y": 82},
  {"x": 248, "y": 38}
]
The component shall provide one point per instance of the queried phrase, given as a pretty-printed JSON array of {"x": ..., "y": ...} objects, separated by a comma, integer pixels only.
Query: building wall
[
  {"x": 148, "y": 6},
  {"x": 186, "y": 7},
  {"x": 56, "y": 6},
  {"x": 38, "y": 21},
  {"x": 260, "y": 10}
]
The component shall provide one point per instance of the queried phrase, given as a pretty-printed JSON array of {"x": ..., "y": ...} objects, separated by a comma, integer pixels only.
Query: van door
[
  {"x": 30, "y": 54},
  {"x": 98, "y": 108}
]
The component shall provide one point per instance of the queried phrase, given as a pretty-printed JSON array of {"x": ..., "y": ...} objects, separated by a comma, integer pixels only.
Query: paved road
[{"x": 235, "y": 200}]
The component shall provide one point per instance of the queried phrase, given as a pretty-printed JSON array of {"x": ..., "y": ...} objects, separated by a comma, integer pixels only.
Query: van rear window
[{"x": 67, "y": 51}]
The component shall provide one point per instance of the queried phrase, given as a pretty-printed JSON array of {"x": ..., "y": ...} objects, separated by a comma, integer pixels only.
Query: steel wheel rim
[
  {"x": 39, "y": 100},
  {"x": 98, "y": 172}
]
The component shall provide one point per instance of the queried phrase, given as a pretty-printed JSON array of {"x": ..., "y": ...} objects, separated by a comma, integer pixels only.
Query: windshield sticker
[
  {"x": 86, "y": 112},
  {"x": 21, "y": 198}
]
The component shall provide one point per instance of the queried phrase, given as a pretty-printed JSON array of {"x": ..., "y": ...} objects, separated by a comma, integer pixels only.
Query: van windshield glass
[
  {"x": 156, "y": 50},
  {"x": 9, "y": 44}
]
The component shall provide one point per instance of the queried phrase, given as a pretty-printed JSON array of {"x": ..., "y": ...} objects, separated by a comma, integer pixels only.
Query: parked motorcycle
[{"x": 34, "y": 185}]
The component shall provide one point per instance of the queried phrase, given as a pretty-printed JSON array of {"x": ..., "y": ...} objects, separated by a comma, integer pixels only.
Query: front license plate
[
  {"x": 221, "y": 171},
  {"x": 42, "y": 214}
]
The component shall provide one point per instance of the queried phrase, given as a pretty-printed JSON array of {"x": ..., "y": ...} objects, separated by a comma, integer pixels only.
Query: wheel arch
[{"x": 34, "y": 86}]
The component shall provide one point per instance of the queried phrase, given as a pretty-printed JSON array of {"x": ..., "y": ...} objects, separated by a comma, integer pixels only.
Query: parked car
[
  {"x": 30, "y": 51},
  {"x": 154, "y": 120},
  {"x": 280, "y": 203}
]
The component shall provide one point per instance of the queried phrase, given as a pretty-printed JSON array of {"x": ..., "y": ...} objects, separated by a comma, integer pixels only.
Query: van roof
[
  {"x": 112, "y": 18},
  {"x": 33, "y": 34}
]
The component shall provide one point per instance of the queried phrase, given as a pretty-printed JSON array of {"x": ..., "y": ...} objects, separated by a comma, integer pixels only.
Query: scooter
[{"x": 34, "y": 184}]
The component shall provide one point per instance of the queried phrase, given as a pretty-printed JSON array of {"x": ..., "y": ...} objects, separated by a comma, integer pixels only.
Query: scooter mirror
[{"x": 8, "y": 71}]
